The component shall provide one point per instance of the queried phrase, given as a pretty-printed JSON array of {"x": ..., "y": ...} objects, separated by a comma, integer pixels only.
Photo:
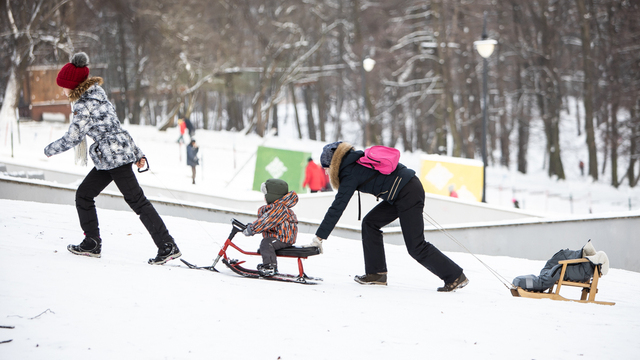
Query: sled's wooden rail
[{"x": 589, "y": 288}]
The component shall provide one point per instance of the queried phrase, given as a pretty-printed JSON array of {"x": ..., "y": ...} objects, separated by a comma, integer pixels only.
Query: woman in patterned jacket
[
  {"x": 277, "y": 223},
  {"x": 113, "y": 152}
]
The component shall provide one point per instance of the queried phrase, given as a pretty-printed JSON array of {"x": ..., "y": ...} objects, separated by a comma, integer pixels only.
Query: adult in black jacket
[{"x": 403, "y": 197}]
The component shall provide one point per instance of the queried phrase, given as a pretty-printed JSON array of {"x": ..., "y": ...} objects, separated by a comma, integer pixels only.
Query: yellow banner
[{"x": 449, "y": 176}]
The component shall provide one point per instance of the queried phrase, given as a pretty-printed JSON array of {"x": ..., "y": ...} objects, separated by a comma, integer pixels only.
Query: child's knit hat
[
  {"x": 274, "y": 189},
  {"x": 75, "y": 72}
]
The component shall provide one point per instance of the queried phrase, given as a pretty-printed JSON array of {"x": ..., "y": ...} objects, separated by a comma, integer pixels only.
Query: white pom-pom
[{"x": 80, "y": 59}]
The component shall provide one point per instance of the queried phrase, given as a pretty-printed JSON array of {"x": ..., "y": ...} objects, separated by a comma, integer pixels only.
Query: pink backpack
[{"x": 382, "y": 158}]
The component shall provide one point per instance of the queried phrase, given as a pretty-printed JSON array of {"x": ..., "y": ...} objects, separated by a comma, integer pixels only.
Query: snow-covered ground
[
  {"x": 228, "y": 163},
  {"x": 70, "y": 307},
  {"x": 117, "y": 307}
]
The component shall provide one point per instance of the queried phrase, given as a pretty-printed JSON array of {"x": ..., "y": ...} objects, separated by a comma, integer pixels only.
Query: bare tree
[{"x": 28, "y": 26}]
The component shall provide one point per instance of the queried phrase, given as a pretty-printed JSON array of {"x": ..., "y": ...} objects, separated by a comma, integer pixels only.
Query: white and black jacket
[{"x": 95, "y": 116}]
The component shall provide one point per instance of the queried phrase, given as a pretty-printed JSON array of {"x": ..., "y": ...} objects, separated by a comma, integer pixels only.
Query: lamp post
[
  {"x": 367, "y": 65},
  {"x": 485, "y": 49}
]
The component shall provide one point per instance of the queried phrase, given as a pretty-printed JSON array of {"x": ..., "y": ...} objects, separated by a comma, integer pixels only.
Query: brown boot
[
  {"x": 372, "y": 279},
  {"x": 458, "y": 283}
]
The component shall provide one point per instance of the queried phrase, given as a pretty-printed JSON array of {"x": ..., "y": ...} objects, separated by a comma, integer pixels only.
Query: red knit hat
[{"x": 75, "y": 72}]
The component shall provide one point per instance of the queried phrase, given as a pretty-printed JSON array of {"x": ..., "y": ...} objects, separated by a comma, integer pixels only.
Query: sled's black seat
[
  {"x": 292, "y": 251},
  {"x": 298, "y": 251}
]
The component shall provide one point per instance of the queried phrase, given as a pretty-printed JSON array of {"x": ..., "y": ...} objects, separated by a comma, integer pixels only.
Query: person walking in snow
[
  {"x": 113, "y": 152},
  {"x": 192, "y": 158},
  {"x": 190, "y": 127},
  {"x": 277, "y": 223},
  {"x": 403, "y": 198},
  {"x": 182, "y": 126},
  {"x": 314, "y": 177}
]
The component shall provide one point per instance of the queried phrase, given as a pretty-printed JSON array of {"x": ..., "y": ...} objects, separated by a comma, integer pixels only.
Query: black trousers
[
  {"x": 408, "y": 207},
  {"x": 126, "y": 181}
]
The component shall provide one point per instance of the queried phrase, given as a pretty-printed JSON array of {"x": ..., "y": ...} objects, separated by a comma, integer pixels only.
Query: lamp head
[
  {"x": 368, "y": 64},
  {"x": 485, "y": 47}
]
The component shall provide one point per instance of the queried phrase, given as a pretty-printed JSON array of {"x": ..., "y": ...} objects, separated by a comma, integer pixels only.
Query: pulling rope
[{"x": 433, "y": 222}]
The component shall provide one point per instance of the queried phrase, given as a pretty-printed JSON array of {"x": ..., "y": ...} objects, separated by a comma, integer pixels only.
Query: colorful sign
[
  {"x": 281, "y": 164},
  {"x": 448, "y": 176}
]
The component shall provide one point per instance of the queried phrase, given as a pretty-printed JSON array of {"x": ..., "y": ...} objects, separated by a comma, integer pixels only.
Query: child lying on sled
[{"x": 277, "y": 223}]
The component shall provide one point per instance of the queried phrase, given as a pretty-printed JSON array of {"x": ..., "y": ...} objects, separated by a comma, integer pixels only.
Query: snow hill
[{"x": 117, "y": 307}]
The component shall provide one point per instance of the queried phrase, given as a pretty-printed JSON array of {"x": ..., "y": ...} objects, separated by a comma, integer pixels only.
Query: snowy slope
[
  {"x": 228, "y": 163},
  {"x": 117, "y": 307},
  {"x": 70, "y": 307}
]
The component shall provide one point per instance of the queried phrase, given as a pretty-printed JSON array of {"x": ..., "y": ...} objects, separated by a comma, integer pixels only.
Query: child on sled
[{"x": 277, "y": 223}]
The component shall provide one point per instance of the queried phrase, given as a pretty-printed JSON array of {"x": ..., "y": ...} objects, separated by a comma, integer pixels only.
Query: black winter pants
[
  {"x": 126, "y": 181},
  {"x": 408, "y": 207}
]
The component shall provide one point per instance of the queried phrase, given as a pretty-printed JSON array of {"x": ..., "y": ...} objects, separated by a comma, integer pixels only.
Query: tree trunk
[
  {"x": 274, "y": 118},
  {"x": 448, "y": 111},
  {"x": 308, "y": 102},
  {"x": 292, "y": 90},
  {"x": 522, "y": 114},
  {"x": 8, "y": 119},
  {"x": 322, "y": 109},
  {"x": 122, "y": 106},
  {"x": 634, "y": 149},
  {"x": 234, "y": 109},
  {"x": 588, "y": 87},
  {"x": 217, "y": 123},
  {"x": 205, "y": 110},
  {"x": 614, "y": 143},
  {"x": 607, "y": 138},
  {"x": 549, "y": 93}
]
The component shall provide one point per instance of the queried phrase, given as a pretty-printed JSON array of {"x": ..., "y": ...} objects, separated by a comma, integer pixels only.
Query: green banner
[{"x": 281, "y": 164}]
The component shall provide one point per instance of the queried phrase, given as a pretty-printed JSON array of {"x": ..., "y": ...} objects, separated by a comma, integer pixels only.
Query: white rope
[{"x": 433, "y": 222}]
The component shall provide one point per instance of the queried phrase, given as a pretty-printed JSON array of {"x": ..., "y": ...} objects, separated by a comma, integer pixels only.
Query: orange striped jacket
[{"x": 278, "y": 220}]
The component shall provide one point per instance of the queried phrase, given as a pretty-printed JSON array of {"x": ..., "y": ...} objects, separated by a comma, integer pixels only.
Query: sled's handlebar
[{"x": 238, "y": 225}]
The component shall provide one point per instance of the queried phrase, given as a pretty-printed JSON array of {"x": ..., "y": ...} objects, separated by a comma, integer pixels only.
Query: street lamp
[
  {"x": 485, "y": 49},
  {"x": 367, "y": 65}
]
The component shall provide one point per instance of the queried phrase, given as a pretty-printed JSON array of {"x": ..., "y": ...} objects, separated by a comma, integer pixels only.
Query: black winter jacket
[
  {"x": 192, "y": 155},
  {"x": 348, "y": 177}
]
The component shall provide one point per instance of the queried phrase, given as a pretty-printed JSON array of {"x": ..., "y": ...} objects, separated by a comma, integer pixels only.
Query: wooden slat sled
[{"x": 589, "y": 289}]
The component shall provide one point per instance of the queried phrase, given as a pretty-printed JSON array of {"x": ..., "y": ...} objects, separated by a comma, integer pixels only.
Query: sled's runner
[
  {"x": 6, "y": 327},
  {"x": 299, "y": 253},
  {"x": 236, "y": 267}
]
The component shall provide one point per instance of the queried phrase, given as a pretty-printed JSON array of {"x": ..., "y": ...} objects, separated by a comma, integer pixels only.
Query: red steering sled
[{"x": 296, "y": 252}]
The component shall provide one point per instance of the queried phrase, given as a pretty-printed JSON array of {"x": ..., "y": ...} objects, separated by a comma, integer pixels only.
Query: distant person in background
[
  {"x": 581, "y": 165},
  {"x": 516, "y": 204},
  {"x": 113, "y": 152},
  {"x": 192, "y": 158},
  {"x": 452, "y": 191},
  {"x": 192, "y": 129},
  {"x": 182, "y": 126},
  {"x": 314, "y": 177}
]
